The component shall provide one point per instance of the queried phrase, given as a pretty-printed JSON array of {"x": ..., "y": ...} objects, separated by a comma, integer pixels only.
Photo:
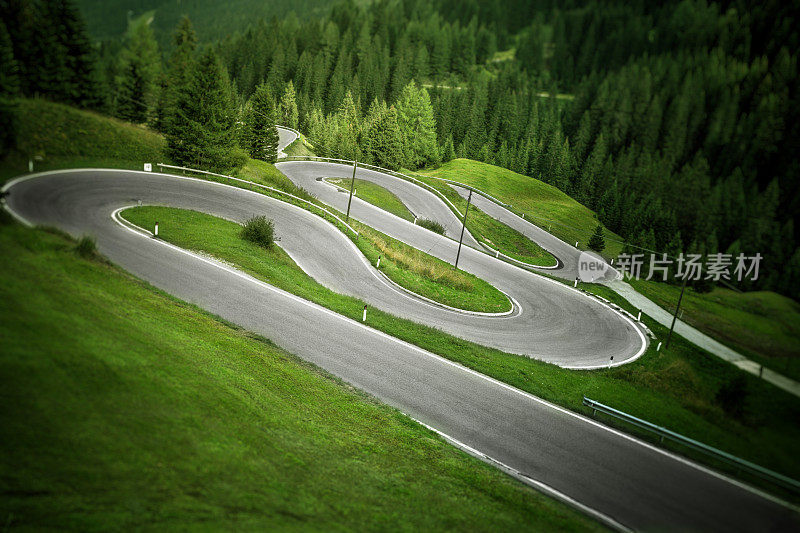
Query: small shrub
[
  {"x": 431, "y": 225},
  {"x": 259, "y": 230},
  {"x": 86, "y": 247}
]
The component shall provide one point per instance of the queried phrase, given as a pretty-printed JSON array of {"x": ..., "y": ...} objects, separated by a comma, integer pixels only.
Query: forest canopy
[{"x": 677, "y": 121}]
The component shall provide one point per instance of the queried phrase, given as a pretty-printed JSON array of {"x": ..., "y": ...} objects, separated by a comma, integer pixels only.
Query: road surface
[{"x": 615, "y": 477}]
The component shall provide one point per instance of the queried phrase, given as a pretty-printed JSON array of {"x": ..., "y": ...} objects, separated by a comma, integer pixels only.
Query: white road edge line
[{"x": 439, "y": 358}]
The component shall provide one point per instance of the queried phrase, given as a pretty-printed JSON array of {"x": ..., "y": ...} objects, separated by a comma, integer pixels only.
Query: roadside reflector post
[
  {"x": 639, "y": 318},
  {"x": 658, "y": 348},
  {"x": 30, "y": 165},
  {"x": 415, "y": 220},
  {"x": 576, "y": 244},
  {"x": 576, "y": 282},
  {"x": 463, "y": 227},
  {"x": 611, "y": 361},
  {"x": 523, "y": 215},
  {"x": 378, "y": 265},
  {"x": 155, "y": 231},
  {"x": 364, "y": 318},
  {"x": 352, "y": 186},
  {"x": 497, "y": 253}
]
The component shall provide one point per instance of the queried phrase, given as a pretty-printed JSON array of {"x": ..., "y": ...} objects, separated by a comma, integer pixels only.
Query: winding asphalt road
[{"x": 618, "y": 479}]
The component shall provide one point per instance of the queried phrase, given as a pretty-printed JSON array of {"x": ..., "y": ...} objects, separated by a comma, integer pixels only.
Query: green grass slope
[
  {"x": 123, "y": 408},
  {"x": 542, "y": 204},
  {"x": 58, "y": 136},
  {"x": 678, "y": 389},
  {"x": 762, "y": 325},
  {"x": 376, "y": 195}
]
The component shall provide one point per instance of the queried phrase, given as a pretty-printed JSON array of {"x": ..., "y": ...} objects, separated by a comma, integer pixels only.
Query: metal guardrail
[
  {"x": 273, "y": 189},
  {"x": 664, "y": 433}
]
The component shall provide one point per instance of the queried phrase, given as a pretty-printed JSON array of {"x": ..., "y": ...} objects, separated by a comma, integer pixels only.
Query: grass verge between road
[
  {"x": 299, "y": 148},
  {"x": 542, "y": 204},
  {"x": 762, "y": 325},
  {"x": 413, "y": 269},
  {"x": 678, "y": 389},
  {"x": 125, "y": 408},
  {"x": 375, "y": 195}
]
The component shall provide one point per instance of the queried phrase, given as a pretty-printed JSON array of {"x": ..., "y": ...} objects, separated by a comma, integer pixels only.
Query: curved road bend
[
  {"x": 552, "y": 323},
  {"x": 625, "y": 480}
]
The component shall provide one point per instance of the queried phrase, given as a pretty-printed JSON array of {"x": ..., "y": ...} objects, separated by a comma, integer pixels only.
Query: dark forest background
[{"x": 677, "y": 122}]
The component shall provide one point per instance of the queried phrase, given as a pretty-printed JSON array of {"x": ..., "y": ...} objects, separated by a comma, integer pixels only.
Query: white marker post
[
  {"x": 364, "y": 318},
  {"x": 576, "y": 244},
  {"x": 576, "y": 282},
  {"x": 658, "y": 348},
  {"x": 639, "y": 318},
  {"x": 611, "y": 361},
  {"x": 378, "y": 265},
  {"x": 415, "y": 220},
  {"x": 155, "y": 232},
  {"x": 497, "y": 253}
]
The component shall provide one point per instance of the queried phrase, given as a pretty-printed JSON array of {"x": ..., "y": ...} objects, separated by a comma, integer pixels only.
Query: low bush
[
  {"x": 431, "y": 225},
  {"x": 86, "y": 247},
  {"x": 259, "y": 230}
]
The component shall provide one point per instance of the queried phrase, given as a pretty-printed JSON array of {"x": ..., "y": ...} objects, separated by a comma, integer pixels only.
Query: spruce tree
[
  {"x": 140, "y": 64},
  {"x": 417, "y": 126},
  {"x": 203, "y": 132},
  {"x": 597, "y": 242},
  {"x": 288, "y": 114},
  {"x": 9, "y": 70},
  {"x": 383, "y": 139},
  {"x": 264, "y": 141},
  {"x": 179, "y": 71}
]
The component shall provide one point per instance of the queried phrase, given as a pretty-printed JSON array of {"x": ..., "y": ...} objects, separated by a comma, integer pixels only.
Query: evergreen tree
[
  {"x": 417, "y": 126},
  {"x": 203, "y": 133},
  {"x": 383, "y": 140},
  {"x": 448, "y": 153},
  {"x": 288, "y": 114},
  {"x": 264, "y": 134},
  {"x": 179, "y": 71},
  {"x": 597, "y": 242},
  {"x": 140, "y": 65},
  {"x": 9, "y": 70}
]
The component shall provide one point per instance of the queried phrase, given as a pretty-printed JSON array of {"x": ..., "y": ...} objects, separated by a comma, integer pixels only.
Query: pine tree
[
  {"x": 203, "y": 133},
  {"x": 9, "y": 70},
  {"x": 139, "y": 68},
  {"x": 383, "y": 139},
  {"x": 288, "y": 114},
  {"x": 265, "y": 137},
  {"x": 179, "y": 71},
  {"x": 417, "y": 126},
  {"x": 597, "y": 242},
  {"x": 448, "y": 153}
]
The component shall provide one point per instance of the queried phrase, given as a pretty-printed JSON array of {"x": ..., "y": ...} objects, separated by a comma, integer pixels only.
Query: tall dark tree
[
  {"x": 263, "y": 133},
  {"x": 203, "y": 131}
]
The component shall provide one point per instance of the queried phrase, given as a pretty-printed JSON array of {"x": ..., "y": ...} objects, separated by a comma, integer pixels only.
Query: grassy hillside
[
  {"x": 138, "y": 411},
  {"x": 762, "y": 325},
  {"x": 542, "y": 204},
  {"x": 678, "y": 389},
  {"x": 59, "y": 136}
]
